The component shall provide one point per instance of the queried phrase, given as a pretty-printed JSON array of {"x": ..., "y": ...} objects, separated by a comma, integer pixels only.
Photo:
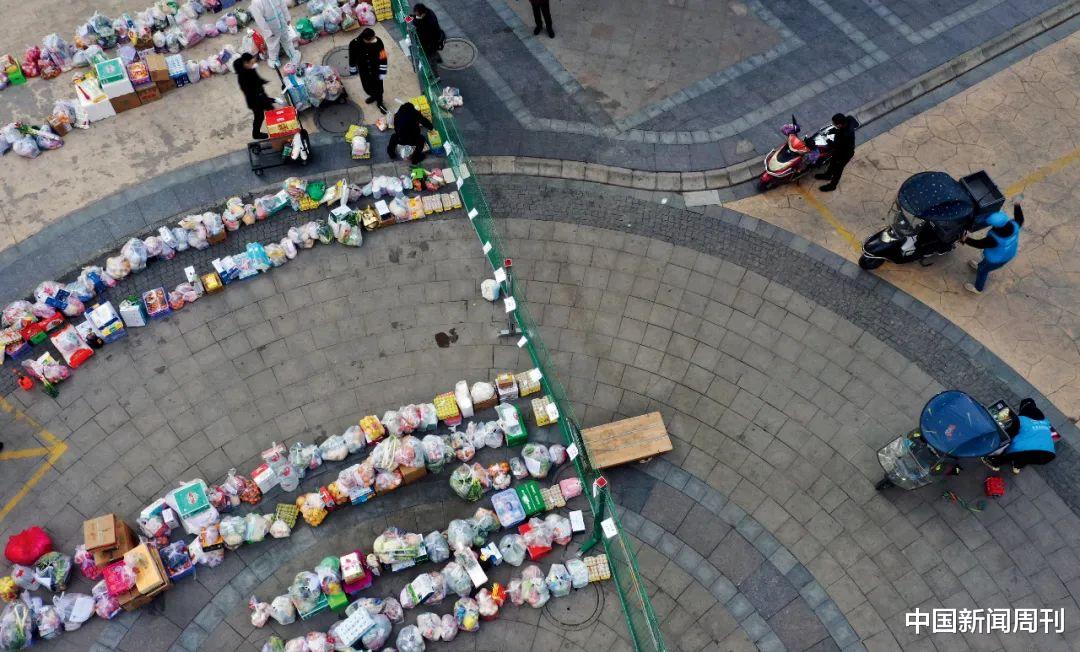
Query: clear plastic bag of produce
[
  {"x": 134, "y": 250},
  {"x": 430, "y": 626},
  {"x": 579, "y": 572},
  {"x": 461, "y": 533},
  {"x": 557, "y": 454},
  {"x": 559, "y": 527},
  {"x": 106, "y": 606},
  {"x": 329, "y": 573},
  {"x": 232, "y": 529},
  {"x": 486, "y": 523},
  {"x": 513, "y": 549},
  {"x": 255, "y": 528},
  {"x": 438, "y": 586},
  {"x": 46, "y": 620},
  {"x": 260, "y": 612},
  {"x": 16, "y": 626},
  {"x": 334, "y": 449},
  {"x": 52, "y": 570},
  {"x": 464, "y": 449},
  {"x": 376, "y": 637},
  {"x": 457, "y": 579},
  {"x": 518, "y": 469},
  {"x": 467, "y": 614},
  {"x": 392, "y": 610},
  {"x": 305, "y": 591},
  {"x": 466, "y": 482},
  {"x": 384, "y": 457},
  {"x": 558, "y": 581},
  {"x": 474, "y": 430},
  {"x": 434, "y": 453},
  {"x": 387, "y": 481},
  {"x": 534, "y": 590},
  {"x": 537, "y": 460},
  {"x": 410, "y": 453},
  {"x": 438, "y": 548},
  {"x": 354, "y": 439},
  {"x": 487, "y": 605},
  {"x": 538, "y": 536},
  {"x": 493, "y": 434}
]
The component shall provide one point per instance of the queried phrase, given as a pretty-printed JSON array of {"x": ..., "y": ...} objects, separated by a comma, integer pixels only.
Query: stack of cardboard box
[
  {"x": 282, "y": 124},
  {"x": 108, "y": 538},
  {"x": 159, "y": 72},
  {"x": 145, "y": 88},
  {"x": 150, "y": 577},
  {"x": 113, "y": 77}
]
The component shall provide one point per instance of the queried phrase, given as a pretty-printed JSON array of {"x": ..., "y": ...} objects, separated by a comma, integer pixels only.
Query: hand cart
[{"x": 263, "y": 154}]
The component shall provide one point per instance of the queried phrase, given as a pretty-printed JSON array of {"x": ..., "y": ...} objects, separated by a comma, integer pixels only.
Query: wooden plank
[{"x": 628, "y": 440}]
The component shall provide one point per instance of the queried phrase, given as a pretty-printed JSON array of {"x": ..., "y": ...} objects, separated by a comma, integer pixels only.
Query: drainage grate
[{"x": 578, "y": 610}]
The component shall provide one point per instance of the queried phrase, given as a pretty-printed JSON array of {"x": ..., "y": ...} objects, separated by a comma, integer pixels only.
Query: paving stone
[{"x": 768, "y": 590}]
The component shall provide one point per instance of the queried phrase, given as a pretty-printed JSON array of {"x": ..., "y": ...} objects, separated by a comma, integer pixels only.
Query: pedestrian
[
  {"x": 407, "y": 123},
  {"x": 251, "y": 84},
  {"x": 843, "y": 149},
  {"x": 1032, "y": 440},
  {"x": 273, "y": 20},
  {"x": 429, "y": 33},
  {"x": 998, "y": 247},
  {"x": 367, "y": 57},
  {"x": 542, "y": 10}
]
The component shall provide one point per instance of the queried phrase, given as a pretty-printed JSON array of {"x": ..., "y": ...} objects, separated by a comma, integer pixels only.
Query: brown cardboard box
[
  {"x": 149, "y": 94},
  {"x": 410, "y": 474},
  {"x": 149, "y": 572},
  {"x": 165, "y": 86},
  {"x": 108, "y": 538},
  {"x": 125, "y": 102},
  {"x": 279, "y": 143},
  {"x": 134, "y": 599},
  {"x": 159, "y": 70}
]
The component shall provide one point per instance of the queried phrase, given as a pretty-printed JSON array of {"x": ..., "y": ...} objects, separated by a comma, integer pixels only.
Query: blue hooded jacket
[
  {"x": 1004, "y": 248},
  {"x": 1034, "y": 435}
]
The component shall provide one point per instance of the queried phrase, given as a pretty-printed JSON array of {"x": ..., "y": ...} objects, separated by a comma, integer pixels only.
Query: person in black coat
[
  {"x": 251, "y": 84},
  {"x": 429, "y": 33},
  {"x": 843, "y": 149},
  {"x": 407, "y": 123},
  {"x": 367, "y": 57},
  {"x": 542, "y": 15}
]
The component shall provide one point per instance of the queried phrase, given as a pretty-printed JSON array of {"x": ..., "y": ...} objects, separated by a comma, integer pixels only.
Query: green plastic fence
[{"x": 640, "y": 618}]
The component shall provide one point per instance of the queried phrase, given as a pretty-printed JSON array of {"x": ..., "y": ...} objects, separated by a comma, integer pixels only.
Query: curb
[{"x": 707, "y": 181}]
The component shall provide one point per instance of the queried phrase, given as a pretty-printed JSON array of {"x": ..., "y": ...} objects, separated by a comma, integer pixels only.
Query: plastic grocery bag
[
  {"x": 430, "y": 626},
  {"x": 512, "y": 547},
  {"x": 384, "y": 457},
  {"x": 334, "y": 449},
  {"x": 461, "y": 533},
  {"x": 376, "y": 637},
  {"x": 558, "y": 581},
  {"x": 579, "y": 572},
  {"x": 559, "y": 527},
  {"x": 534, "y": 590},
  {"x": 52, "y": 571},
  {"x": 449, "y": 628},
  {"x": 434, "y": 453},
  {"x": 486, "y": 523},
  {"x": 466, "y": 482},
  {"x": 438, "y": 548},
  {"x": 392, "y": 610},
  {"x": 260, "y": 612},
  {"x": 467, "y": 614},
  {"x": 16, "y": 626},
  {"x": 488, "y": 607},
  {"x": 537, "y": 459},
  {"x": 282, "y": 610},
  {"x": 457, "y": 579},
  {"x": 410, "y": 453}
]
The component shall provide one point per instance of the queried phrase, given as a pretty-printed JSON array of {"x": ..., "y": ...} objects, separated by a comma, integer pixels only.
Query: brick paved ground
[{"x": 776, "y": 373}]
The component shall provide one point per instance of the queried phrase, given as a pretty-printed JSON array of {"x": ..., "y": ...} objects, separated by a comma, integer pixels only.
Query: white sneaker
[
  {"x": 971, "y": 288},
  {"x": 973, "y": 265}
]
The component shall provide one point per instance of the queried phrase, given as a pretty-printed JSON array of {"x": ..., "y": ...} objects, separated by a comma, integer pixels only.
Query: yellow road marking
[
  {"x": 824, "y": 211},
  {"x": 55, "y": 450},
  {"x": 1044, "y": 171}
]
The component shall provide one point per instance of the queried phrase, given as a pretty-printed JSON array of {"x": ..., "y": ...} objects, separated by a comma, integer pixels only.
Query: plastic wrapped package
[
  {"x": 558, "y": 581},
  {"x": 85, "y": 562},
  {"x": 537, "y": 459},
  {"x": 464, "y": 399},
  {"x": 513, "y": 549},
  {"x": 534, "y": 590},
  {"x": 559, "y": 527},
  {"x": 438, "y": 548},
  {"x": 97, "y": 277},
  {"x": 18, "y": 314},
  {"x": 468, "y": 482},
  {"x": 379, "y": 633},
  {"x": 557, "y": 454},
  {"x": 260, "y": 612},
  {"x": 464, "y": 449},
  {"x": 334, "y": 449},
  {"x": 467, "y": 614},
  {"x": 487, "y": 606},
  {"x": 410, "y": 453},
  {"x": 570, "y": 487},
  {"x": 434, "y": 453},
  {"x": 457, "y": 579},
  {"x": 438, "y": 585},
  {"x": 461, "y": 533},
  {"x": 430, "y": 626},
  {"x": 55, "y": 296},
  {"x": 483, "y": 395},
  {"x": 493, "y": 434},
  {"x": 538, "y": 536},
  {"x": 255, "y": 527}
]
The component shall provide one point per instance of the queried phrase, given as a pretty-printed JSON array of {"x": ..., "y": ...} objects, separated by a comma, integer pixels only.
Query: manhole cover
[
  {"x": 458, "y": 53},
  {"x": 335, "y": 117},
  {"x": 577, "y": 610},
  {"x": 338, "y": 59}
]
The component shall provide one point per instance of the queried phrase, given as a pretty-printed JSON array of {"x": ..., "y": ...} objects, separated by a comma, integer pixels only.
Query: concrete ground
[
  {"x": 188, "y": 125},
  {"x": 1019, "y": 126}
]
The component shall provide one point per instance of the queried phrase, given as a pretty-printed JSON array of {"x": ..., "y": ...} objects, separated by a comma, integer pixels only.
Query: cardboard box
[
  {"x": 278, "y": 144},
  {"x": 149, "y": 94},
  {"x": 125, "y": 102},
  {"x": 139, "y": 74},
  {"x": 134, "y": 599},
  {"x": 165, "y": 86},
  {"x": 108, "y": 538},
  {"x": 410, "y": 474},
  {"x": 282, "y": 122},
  {"x": 149, "y": 570},
  {"x": 159, "y": 68},
  {"x": 110, "y": 71}
]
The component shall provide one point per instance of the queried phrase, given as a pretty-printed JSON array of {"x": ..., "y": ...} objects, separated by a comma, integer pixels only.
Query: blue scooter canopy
[{"x": 956, "y": 424}]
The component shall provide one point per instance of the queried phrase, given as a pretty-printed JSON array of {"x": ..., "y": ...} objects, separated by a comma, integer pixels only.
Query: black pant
[
  {"x": 836, "y": 168},
  {"x": 544, "y": 7},
  {"x": 373, "y": 86},
  {"x": 258, "y": 118},
  {"x": 418, "y": 148}
]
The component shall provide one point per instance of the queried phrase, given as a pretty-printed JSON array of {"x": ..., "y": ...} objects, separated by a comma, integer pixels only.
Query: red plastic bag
[
  {"x": 27, "y": 546},
  {"x": 994, "y": 487}
]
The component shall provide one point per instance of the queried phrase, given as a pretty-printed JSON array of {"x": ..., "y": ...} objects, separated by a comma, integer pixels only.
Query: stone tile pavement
[
  {"x": 1017, "y": 125},
  {"x": 761, "y": 528}
]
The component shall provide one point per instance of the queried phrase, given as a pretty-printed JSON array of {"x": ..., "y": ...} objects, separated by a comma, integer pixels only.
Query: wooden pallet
[{"x": 629, "y": 440}]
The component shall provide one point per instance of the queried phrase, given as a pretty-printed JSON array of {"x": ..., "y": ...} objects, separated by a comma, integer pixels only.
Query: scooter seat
[{"x": 785, "y": 155}]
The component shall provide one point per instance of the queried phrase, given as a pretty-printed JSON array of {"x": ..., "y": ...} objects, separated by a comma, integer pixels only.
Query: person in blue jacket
[
  {"x": 1032, "y": 439},
  {"x": 998, "y": 247}
]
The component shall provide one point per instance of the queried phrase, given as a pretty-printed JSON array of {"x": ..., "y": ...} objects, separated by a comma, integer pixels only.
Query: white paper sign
[
  {"x": 510, "y": 303},
  {"x": 381, "y": 207},
  {"x": 522, "y": 342},
  {"x": 473, "y": 213},
  {"x": 487, "y": 247},
  {"x": 460, "y": 182},
  {"x": 463, "y": 171},
  {"x": 577, "y": 521},
  {"x": 572, "y": 451},
  {"x": 500, "y": 275},
  {"x": 552, "y": 411},
  {"x": 610, "y": 531},
  {"x": 535, "y": 374}
]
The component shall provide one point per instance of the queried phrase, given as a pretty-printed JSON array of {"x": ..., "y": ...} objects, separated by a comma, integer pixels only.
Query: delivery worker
[
  {"x": 407, "y": 123},
  {"x": 251, "y": 84},
  {"x": 998, "y": 247},
  {"x": 367, "y": 57},
  {"x": 1033, "y": 439},
  {"x": 273, "y": 20}
]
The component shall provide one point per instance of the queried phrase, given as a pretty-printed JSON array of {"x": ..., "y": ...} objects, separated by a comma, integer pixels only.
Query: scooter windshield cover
[{"x": 956, "y": 424}]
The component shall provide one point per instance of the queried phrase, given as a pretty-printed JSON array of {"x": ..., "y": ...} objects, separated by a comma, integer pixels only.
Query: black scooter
[{"x": 931, "y": 214}]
